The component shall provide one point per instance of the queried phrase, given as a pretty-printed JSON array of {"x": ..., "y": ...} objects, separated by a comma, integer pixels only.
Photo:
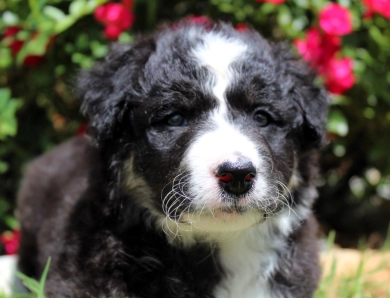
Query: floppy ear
[
  {"x": 100, "y": 101},
  {"x": 107, "y": 89},
  {"x": 312, "y": 100},
  {"x": 314, "y": 103}
]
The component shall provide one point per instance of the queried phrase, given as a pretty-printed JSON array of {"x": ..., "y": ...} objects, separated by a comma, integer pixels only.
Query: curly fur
[{"x": 128, "y": 211}]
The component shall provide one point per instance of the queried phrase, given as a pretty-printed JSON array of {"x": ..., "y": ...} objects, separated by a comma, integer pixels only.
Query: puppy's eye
[
  {"x": 176, "y": 120},
  {"x": 262, "y": 118}
]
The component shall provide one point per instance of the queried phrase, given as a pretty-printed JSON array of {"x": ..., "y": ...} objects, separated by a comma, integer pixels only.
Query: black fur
[{"x": 102, "y": 237}]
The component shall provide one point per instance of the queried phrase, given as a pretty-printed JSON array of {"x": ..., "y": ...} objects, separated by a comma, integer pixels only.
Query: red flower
[
  {"x": 380, "y": 6},
  {"x": 82, "y": 129},
  {"x": 276, "y": 2},
  {"x": 10, "y": 241},
  {"x": 15, "y": 45},
  {"x": 201, "y": 21},
  {"x": 241, "y": 27},
  {"x": 339, "y": 76},
  {"x": 112, "y": 32},
  {"x": 318, "y": 48},
  {"x": 336, "y": 20},
  {"x": 33, "y": 60},
  {"x": 116, "y": 17},
  {"x": 128, "y": 4},
  {"x": 198, "y": 20}
]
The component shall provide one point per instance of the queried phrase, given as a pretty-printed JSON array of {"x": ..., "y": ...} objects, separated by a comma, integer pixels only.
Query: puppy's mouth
[
  {"x": 224, "y": 210},
  {"x": 234, "y": 209}
]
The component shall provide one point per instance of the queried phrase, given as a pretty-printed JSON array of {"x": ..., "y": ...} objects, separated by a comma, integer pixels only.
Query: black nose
[{"x": 236, "y": 177}]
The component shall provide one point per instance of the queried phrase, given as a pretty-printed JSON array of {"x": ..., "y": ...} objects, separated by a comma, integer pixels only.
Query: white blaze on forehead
[
  {"x": 223, "y": 142},
  {"x": 220, "y": 144},
  {"x": 217, "y": 53}
]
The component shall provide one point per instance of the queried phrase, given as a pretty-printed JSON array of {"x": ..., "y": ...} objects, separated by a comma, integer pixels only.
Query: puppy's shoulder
[
  {"x": 63, "y": 171},
  {"x": 73, "y": 156}
]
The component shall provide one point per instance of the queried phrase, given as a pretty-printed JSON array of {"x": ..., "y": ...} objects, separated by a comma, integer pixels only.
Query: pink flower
[
  {"x": 276, "y": 2},
  {"x": 116, "y": 18},
  {"x": 10, "y": 241},
  {"x": 380, "y": 6},
  {"x": 336, "y": 20},
  {"x": 318, "y": 48},
  {"x": 339, "y": 75}
]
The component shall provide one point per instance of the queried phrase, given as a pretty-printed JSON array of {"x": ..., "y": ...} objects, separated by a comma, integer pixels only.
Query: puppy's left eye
[
  {"x": 262, "y": 118},
  {"x": 176, "y": 120}
]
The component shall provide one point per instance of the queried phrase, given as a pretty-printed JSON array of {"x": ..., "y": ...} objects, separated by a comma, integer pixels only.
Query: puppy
[{"x": 197, "y": 180}]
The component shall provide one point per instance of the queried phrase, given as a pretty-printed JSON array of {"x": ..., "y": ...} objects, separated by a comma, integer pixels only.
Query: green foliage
[{"x": 8, "y": 108}]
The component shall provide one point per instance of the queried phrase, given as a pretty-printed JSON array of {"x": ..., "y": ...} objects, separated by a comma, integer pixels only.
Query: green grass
[
  {"x": 36, "y": 287},
  {"x": 359, "y": 283}
]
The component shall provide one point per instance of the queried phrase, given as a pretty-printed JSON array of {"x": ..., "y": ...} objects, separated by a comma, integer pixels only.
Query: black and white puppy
[{"x": 198, "y": 178}]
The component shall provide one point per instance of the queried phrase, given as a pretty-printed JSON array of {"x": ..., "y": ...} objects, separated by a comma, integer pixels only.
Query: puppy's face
[{"x": 216, "y": 128}]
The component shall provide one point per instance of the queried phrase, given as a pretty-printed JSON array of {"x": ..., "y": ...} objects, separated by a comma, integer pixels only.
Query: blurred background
[{"x": 44, "y": 43}]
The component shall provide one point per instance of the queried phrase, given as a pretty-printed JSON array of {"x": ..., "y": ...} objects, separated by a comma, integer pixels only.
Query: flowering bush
[
  {"x": 320, "y": 50},
  {"x": 44, "y": 43}
]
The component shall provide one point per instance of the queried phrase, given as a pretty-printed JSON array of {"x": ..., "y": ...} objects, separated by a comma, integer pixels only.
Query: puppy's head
[{"x": 206, "y": 125}]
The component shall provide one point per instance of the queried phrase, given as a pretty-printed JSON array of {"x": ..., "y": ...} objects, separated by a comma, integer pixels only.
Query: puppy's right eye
[
  {"x": 262, "y": 118},
  {"x": 176, "y": 120}
]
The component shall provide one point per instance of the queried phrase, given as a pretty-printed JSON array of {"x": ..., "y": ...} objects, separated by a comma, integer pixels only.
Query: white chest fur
[{"x": 250, "y": 258}]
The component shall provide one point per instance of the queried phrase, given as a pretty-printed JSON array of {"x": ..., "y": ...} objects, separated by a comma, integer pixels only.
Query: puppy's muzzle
[{"x": 237, "y": 177}]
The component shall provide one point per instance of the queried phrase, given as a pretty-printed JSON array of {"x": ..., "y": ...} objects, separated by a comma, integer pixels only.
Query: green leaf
[
  {"x": 34, "y": 286},
  {"x": 77, "y": 10},
  {"x": 5, "y": 95},
  {"x": 54, "y": 13},
  {"x": 8, "y": 108},
  {"x": 28, "y": 282},
  {"x": 6, "y": 58},
  {"x": 3, "y": 167},
  {"x": 337, "y": 123},
  {"x": 98, "y": 50},
  {"x": 64, "y": 24},
  {"x": 36, "y": 10},
  {"x": 77, "y": 7},
  {"x": 11, "y": 222},
  {"x": 284, "y": 16},
  {"x": 43, "y": 279},
  {"x": 36, "y": 45},
  {"x": 378, "y": 37},
  {"x": 268, "y": 8},
  {"x": 302, "y": 3}
]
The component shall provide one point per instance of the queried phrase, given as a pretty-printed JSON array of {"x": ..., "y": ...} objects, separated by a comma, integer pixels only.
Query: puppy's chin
[{"x": 220, "y": 221}]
